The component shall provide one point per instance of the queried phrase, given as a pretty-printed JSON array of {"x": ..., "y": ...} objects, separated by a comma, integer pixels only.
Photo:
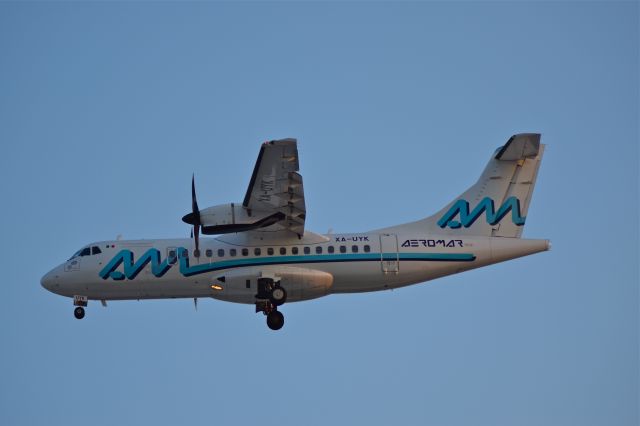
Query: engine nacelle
[
  {"x": 300, "y": 283},
  {"x": 232, "y": 217}
]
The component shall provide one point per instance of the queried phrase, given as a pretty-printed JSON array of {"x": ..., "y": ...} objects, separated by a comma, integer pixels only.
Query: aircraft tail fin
[{"x": 497, "y": 204}]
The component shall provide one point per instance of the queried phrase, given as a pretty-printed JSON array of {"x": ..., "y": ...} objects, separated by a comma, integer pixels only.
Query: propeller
[{"x": 193, "y": 218}]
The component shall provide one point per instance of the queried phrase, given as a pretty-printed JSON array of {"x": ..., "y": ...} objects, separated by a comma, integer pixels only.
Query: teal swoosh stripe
[
  {"x": 464, "y": 257},
  {"x": 187, "y": 270}
]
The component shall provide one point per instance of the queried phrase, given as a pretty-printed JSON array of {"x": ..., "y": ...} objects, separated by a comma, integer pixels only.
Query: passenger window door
[{"x": 172, "y": 255}]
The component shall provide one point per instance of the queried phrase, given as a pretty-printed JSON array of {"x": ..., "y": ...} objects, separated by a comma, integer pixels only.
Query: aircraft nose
[{"x": 50, "y": 280}]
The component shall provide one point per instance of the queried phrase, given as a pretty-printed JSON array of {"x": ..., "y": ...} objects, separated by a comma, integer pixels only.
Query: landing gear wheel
[
  {"x": 275, "y": 320},
  {"x": 79, "y": 312},
  {"x": 278, "y": 296}
]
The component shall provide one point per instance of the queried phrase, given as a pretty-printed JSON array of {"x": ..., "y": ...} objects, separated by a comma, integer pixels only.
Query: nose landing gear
[
  {"x": 80, "y": 302},
  {"x": 270, "y": 296},
  {"x": 78, "y": 312}
]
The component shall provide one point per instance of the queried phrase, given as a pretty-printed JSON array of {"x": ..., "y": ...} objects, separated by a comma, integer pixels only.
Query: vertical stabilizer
[{"x": 498, "y": 203}]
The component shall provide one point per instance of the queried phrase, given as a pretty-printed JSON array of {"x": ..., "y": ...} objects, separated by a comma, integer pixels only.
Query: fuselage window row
[{"x": 270, "y": 251}]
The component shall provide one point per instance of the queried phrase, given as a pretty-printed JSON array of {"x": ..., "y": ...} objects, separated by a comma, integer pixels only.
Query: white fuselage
[
  {"x": 308, "y": 268},
  {"x": 265, "y": 256}
]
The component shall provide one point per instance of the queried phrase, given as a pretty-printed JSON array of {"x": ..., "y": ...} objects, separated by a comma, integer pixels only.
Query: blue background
[{"x": 107, "y": 108}]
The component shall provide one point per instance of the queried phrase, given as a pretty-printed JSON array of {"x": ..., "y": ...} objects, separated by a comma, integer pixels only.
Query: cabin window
[
  {"x": 85, "y": 252},
  {"x": 220, "y": 252},
  {"x": 330, "y": 249},
  {"x": 257, "y": 251},
  {"x": 283, "y": 250},
  {"x": 232, "y": 252},
  {"x": 294, "y": 250},
  {"x": 354, "y": 249},
  {"x": 95, "y": 250},
  {"x": 307, "y": 250},
  {"x": 245, "y": 252},
  {"x": 208, "y": 253},
  {"x": 270, "y": 251},
  {"x": 184, "y": 254},
  {"x": 367, "y": 248},
  {"x": 248, "y": 283},
  {"x": 319, "y": 250},
  {"x": 343, "y": 249}
]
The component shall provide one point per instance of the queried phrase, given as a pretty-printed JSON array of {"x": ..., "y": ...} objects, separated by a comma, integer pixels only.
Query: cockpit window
[{"x": 86, "y": 251}]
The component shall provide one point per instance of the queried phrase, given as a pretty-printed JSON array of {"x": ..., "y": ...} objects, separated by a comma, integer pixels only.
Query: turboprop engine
[
  {"x": 231, "y": 217},
  {"x": 226, "y": 218}
]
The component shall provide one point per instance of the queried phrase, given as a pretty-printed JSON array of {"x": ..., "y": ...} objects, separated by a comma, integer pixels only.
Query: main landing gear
[
  {"x": 275, "y": 320},
  {"x": 80, "y": 302},
  {"x": 270, "y": 295}
]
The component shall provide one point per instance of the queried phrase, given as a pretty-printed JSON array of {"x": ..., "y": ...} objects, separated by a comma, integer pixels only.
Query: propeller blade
[
  {"x": 194, "y": 201},
  {"x": 196, "y": 237},
  {"x": 194, "y": 218}
]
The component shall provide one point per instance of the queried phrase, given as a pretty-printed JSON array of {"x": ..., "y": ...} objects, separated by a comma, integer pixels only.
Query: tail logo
[{"x": 486, "y": 205}]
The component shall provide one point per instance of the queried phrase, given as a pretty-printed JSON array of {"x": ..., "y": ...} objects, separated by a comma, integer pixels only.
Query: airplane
[{"x": 262, "y": 254}]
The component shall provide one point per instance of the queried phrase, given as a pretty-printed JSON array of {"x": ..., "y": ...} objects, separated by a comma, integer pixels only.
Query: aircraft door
[
  {"x": 172, "y": 255},
  {"x": 389, "y": 253}
]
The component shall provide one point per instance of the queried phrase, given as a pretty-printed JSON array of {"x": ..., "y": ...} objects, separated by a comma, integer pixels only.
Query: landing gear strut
[{"x": 270, "y": 296}]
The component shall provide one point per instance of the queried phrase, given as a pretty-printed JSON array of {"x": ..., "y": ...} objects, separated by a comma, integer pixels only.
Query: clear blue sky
[{"x": 107, "y": 108}]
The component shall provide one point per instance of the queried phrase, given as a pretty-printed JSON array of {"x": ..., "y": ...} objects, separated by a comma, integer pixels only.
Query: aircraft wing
[{"x": 276, "y": 187}]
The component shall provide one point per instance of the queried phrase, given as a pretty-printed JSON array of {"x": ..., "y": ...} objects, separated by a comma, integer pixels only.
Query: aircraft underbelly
[{"x": 348, "y": 277}]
